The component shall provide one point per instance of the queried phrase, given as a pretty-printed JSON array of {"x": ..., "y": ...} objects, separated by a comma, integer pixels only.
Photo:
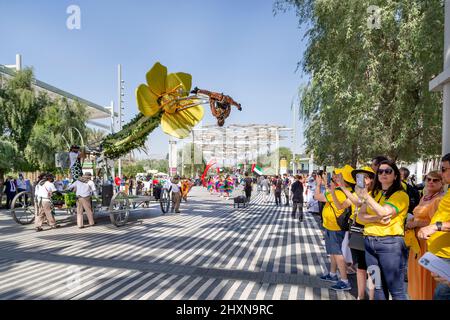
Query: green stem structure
[{"x": 133, "y": 135}]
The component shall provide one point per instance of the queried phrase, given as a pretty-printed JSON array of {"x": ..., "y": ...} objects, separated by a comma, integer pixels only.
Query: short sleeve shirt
[
  {"x": 45, "y": 189},
  {"x": 330, "y": 212},
  {"x": 400, "y": 202},
  {"x": 439, "y": 242}
]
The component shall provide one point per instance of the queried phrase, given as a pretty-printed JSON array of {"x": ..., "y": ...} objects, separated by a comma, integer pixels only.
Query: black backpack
[{"x": 414, "y": 197}]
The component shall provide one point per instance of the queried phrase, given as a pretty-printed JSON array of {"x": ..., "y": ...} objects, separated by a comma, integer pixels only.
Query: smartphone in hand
[
  {"x": 360, "y": 182},
  {"x": 436, "y": 265}
]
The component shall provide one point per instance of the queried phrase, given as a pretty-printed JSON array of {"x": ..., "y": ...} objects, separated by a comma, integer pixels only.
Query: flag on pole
[{"x": 257, "y": 169}]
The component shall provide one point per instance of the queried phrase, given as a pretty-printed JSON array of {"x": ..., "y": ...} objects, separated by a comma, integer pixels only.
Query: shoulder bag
[{"x": 356, "y": 235}]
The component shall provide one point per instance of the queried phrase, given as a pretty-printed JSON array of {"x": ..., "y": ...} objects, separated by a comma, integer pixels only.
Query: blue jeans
[
  {"x": 442, "y": 291},
  {"x": 389, "y": 255}
]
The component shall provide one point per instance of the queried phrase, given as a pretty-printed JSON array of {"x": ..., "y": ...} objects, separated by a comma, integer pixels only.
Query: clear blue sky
[{"x": 236, "y": 46}]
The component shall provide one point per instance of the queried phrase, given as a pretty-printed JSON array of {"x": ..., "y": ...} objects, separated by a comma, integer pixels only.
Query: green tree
[
  {"x": 58, "y": 127},
  {"x": 131, "y": 170},
  {"x": 280, "y": 153},
  {"x": 20, "y": 108},
  {"x": 368, "y": 90},
  {"x": 95, "y": 137},
  {"x": 161, "y": 165},
  {"x": 32, "y": 125}
]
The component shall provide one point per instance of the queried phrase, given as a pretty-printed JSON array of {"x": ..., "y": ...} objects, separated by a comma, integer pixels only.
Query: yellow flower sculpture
[{"x": 163, "y": 93}]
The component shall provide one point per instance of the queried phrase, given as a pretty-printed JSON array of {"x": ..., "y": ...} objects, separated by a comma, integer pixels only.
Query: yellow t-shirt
[
  {"x": 400, "y": 202},
  {"x": 439, "y": 242},
  {"x": 329, "y": 216}
]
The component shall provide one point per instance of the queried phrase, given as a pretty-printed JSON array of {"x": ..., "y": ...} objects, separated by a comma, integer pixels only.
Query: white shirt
[
  {"x": 167, "y": 185},
  {"x": 21, "y": 184},
  {"x": 83, "y": 189},
  {"x": 147, "y": 186},
  {"x": 265, "y": 185},
  {"x": 43, "y": 191},
  {"x": 12, "y": 186},
  {"x": 175, "y": 187}
]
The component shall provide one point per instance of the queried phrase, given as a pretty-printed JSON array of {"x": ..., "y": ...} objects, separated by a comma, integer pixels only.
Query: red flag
[{"x": 208, "y": 166}]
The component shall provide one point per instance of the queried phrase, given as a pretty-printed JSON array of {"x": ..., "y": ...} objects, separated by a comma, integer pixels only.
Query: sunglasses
[
  {"x": 434, "y": 180},
  {"x": 443, "y": 169},
  {"x": 387, "y": 171}
]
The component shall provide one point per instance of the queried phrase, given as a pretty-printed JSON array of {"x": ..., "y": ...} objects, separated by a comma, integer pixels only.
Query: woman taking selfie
[{"x": 384, "y": 212}]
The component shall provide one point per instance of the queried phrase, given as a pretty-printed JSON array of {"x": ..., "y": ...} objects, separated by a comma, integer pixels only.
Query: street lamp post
[
  {"x": 111, "y": 109},
  {"x": 120, "y": 90},
  {"x": 442, "y": 83}
]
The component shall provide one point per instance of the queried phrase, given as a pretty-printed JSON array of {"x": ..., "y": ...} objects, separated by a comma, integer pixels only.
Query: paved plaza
[{"x": 209, "y": 251}]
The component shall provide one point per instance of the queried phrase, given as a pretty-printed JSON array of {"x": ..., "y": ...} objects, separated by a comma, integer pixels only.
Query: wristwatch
[{"x": 439, "y": 225}]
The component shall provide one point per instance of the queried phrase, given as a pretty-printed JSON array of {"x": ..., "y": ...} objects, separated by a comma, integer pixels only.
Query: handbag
[
  {"x": 343, "y": 220},
  {"x": 356, "y": 235}
]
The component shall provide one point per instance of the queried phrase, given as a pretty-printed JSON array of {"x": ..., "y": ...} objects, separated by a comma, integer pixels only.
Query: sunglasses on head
[
  {"x": 387, "y": 171},
  {"x": 433, "y": 179}
]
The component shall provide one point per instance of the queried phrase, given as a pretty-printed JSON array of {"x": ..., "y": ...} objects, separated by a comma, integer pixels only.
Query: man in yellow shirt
[{"x": 438, "y": 232}]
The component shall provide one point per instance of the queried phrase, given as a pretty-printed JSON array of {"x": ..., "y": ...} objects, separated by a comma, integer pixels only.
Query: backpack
[
  {"x": 343, "y": 220},
  {"x": 414, "y": 197}
]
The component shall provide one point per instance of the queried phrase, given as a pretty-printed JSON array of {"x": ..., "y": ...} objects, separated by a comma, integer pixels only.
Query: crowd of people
[
  {"x": 376, "y": 222},
  {"x": 222, "y": 186},
  {"x": 378, "y": 227},
  {"x": 384, "y": 225},
  {"x": 14, "y": 186}
]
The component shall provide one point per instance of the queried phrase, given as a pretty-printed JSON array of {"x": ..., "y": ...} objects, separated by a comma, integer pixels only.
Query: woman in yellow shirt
[
  {"x": 384, "y": 213},
  {"x": 334, "y": 236},
  {"x": 421, "y": 284},
  {"x": 352, "y": 199}
]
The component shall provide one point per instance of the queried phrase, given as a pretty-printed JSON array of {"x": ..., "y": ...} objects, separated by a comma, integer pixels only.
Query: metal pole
[
  {"x": 112, "y": 116},
  {"x": 442, "y": 83},
  {"x": 192, "y": 155},
  {"x": 18, "y": 62},
  {"x": 294, "y": 140},
  {"x": 119, "y": 102},
  {"x": 113, "y": 171},
  {"x": 277, "y": 143},
  {"x": 170, "y": 157},
  {"x": 446, "y": 98}
]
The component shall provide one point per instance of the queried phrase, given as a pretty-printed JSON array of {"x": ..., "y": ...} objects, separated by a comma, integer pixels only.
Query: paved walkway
[{"x": 209, "y": 251}]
